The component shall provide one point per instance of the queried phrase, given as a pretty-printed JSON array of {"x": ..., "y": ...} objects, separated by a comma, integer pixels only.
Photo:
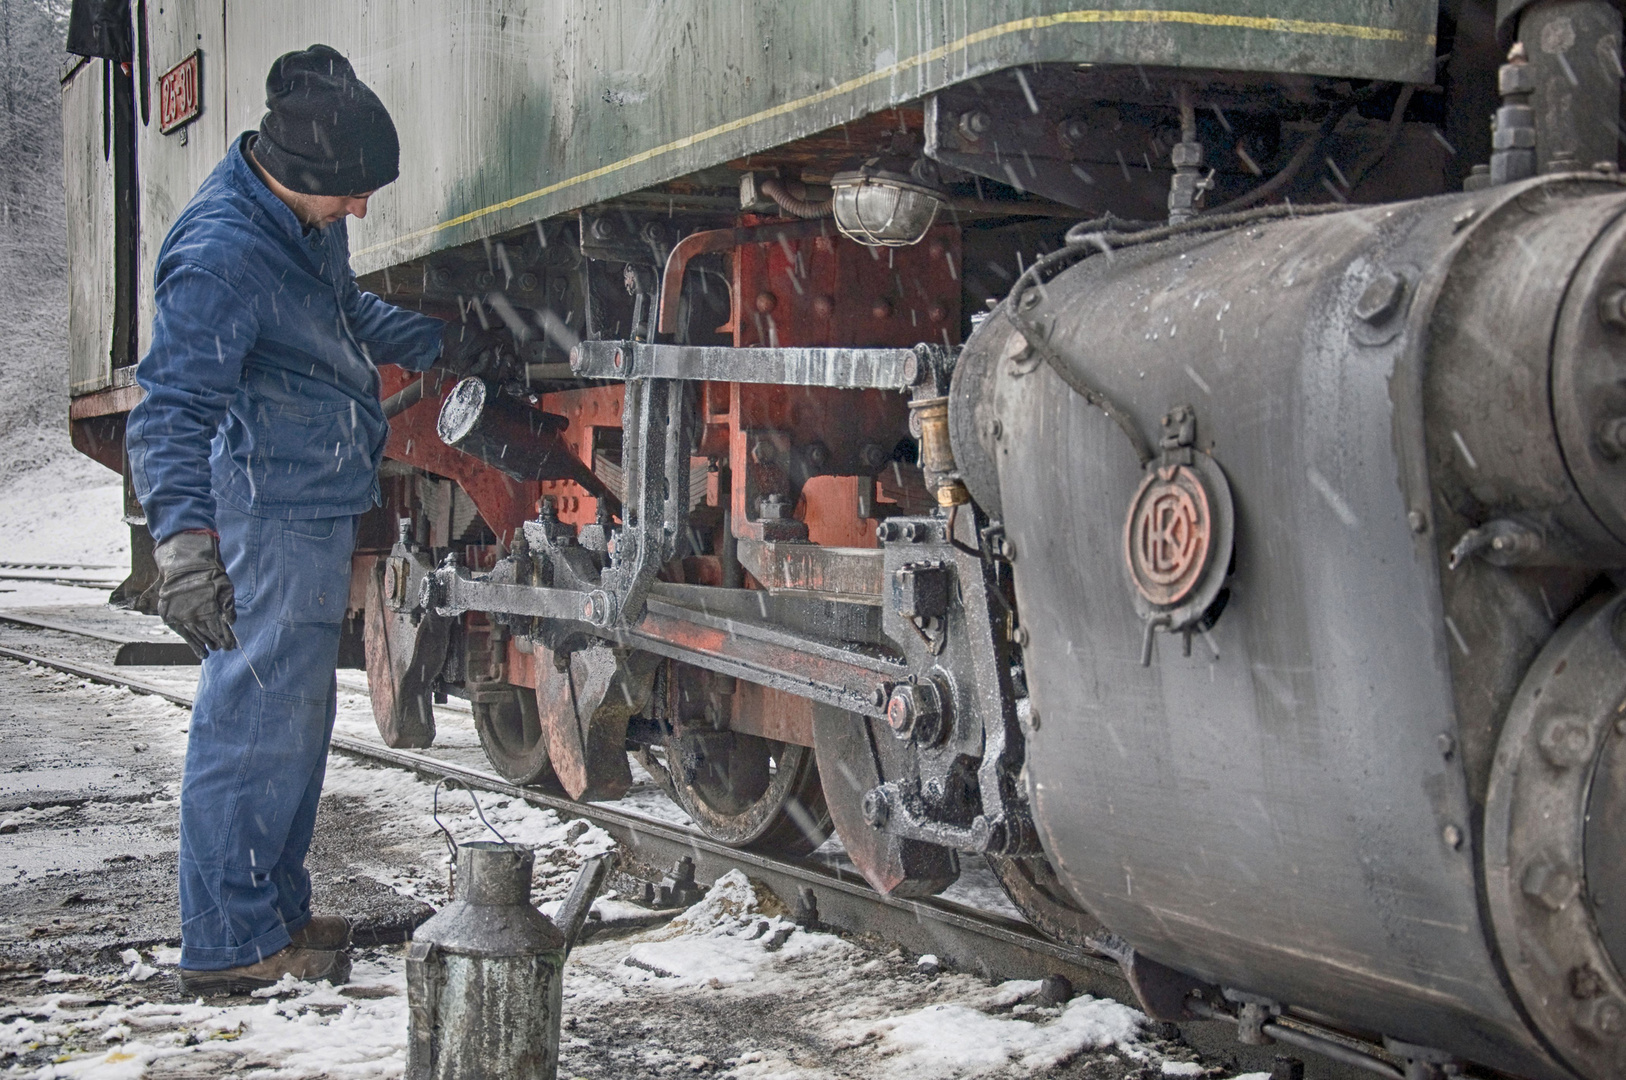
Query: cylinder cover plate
[{"x": 1557, "y": 763}]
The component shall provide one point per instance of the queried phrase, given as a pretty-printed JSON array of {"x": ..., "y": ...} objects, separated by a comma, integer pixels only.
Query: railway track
[{"x": 964, "y": 938}]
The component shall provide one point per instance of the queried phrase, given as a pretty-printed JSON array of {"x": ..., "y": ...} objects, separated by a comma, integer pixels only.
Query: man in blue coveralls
[{"x": 253, "y": 453}]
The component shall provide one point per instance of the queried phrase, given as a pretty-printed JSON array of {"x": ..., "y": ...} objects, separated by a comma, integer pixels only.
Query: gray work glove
[
  {"x": 195, "y": 596},
  {"x": 468, "y": 350}
]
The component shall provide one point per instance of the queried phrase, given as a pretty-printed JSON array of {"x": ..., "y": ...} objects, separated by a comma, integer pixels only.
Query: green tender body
[{"x": 515, "y": 110}]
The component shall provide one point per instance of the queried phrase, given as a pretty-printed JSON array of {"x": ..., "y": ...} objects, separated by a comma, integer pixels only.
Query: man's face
[{"x": 320, "y": 210}]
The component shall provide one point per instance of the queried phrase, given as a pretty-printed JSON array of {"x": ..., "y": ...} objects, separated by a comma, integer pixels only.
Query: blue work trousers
[{"x": 257, "y": 751}]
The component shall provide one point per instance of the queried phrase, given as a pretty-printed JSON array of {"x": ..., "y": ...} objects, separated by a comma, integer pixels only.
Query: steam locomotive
[{"x": 1173, "y": 452}]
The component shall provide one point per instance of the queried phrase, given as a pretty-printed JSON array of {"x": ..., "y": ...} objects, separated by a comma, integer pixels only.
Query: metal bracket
[
  {"x": 655, "y": 505},
  {"x": 843, "y": 368}
]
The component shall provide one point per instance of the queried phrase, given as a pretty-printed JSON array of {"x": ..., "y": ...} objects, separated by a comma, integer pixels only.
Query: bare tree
[{"x": 33, "y": 256}]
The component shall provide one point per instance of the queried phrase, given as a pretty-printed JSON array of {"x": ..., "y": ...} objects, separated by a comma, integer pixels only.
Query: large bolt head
[
  {"x": 1567, "y": 742},
  {"x": 914, "y": 712},
  {"x": 1548, "y": 884},
  {"x": 975, "y": 124},
  {"x": 1381, "y": 298},
  {"x": 901, "y": 711}
]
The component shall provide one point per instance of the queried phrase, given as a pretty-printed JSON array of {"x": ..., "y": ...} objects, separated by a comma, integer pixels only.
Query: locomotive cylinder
[
  {"x": 1368, "y": 775},
  {"x": 522, "y": 442}
]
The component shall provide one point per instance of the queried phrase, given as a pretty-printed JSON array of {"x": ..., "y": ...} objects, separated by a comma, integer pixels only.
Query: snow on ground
[
  {"x": 780, "y": 1000},
  {"x": 68, "y": 510},
  {"x": 730, "y": 948}
]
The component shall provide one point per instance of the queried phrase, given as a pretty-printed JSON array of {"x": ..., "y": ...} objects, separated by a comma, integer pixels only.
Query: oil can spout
[{"x": 573, "y": 912}]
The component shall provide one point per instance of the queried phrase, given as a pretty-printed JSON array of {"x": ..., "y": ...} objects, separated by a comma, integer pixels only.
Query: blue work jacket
[{"x": 261, "y": 385}]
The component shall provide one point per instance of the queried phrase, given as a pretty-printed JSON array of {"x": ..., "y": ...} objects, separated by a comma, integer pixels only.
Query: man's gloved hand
[
  {"x": 468, "y": 350},
  {"x": 195, "y": 597}
]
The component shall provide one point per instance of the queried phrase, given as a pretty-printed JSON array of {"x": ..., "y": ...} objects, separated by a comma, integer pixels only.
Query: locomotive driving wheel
[
  {"x": 1034, "y": 887},
  {"x": 748, "y": 791},
  {"x": 510, "y": 728}
]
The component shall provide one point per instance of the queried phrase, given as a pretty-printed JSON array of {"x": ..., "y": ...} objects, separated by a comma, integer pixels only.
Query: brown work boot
[
  {"x": 308, "y": 965},
  {"x": 329, "y": 933}
]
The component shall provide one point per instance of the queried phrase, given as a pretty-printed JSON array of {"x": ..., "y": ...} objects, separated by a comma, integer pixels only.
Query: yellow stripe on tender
[{"x": 1301, "y": 27}]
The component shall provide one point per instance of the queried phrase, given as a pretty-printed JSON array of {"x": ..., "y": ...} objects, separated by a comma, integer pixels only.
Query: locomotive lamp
[{"x": 882, "y": 204}]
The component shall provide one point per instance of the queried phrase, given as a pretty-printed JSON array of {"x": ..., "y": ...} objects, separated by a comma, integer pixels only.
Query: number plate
[{"x": 178, "y": 99}]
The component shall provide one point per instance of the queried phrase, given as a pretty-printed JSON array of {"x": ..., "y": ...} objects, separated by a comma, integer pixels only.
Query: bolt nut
[
  {"x": 1187, "y": 155},
  {"x": 1610, "y": 438},
  {"x": 766, "y": 301},
  {"x": 1548, "y": 884},
  {"x": 773, "y": 508},
  {"x": 880, "y": 308},
  {"x": 1072, "y": 132},
  {"x": 1515, "y": 79},
  {"x": 1447, "y": 744},
  {"x": 975, "y": 124},
  {"x": 914, "y": 711},
  {"x": 873, "y": 456},
  {"x": 528, "y": 282},
  {"x": 1382, "y": 298},
  {"x": 1452, "y": 836},
  {"x": 824, "y": 306},
  {"x": 1418, "y": 521},
  {"x": 1567, "y": 742},
  {"x": 1604, "y": 1016}
]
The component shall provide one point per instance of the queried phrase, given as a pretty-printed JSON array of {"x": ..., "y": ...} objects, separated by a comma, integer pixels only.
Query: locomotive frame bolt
[
  {"x": 1567, "y": 742},
  {"x": 1549, "y": 884},
  {"x": 975, "y": 124},
  {"x": 1381, "y": 298}
]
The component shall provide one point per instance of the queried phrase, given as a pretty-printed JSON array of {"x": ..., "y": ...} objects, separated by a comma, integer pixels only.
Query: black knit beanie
[{"x": 326, "y": 133}]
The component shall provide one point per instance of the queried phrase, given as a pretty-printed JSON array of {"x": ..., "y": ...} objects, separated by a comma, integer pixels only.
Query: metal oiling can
[{"x": 484, "y": 976}]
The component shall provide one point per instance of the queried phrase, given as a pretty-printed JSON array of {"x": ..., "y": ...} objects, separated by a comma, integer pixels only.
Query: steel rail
[
  {"x": 965, "y": 939},
  {"x": 132, "y": 651},
  {"x": 990, "y": 945}
]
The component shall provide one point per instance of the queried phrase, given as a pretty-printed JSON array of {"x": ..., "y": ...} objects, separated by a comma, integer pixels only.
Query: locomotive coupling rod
[
  {"x": 451, "y": 590},
  {"x": 879, "y": 369}
]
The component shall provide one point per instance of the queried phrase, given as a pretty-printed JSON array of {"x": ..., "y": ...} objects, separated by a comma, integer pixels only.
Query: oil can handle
[{"x": 434, "y": 812}]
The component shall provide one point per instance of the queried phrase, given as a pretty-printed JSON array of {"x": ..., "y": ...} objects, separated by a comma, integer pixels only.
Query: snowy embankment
[{"x": 67, "y": 510}]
